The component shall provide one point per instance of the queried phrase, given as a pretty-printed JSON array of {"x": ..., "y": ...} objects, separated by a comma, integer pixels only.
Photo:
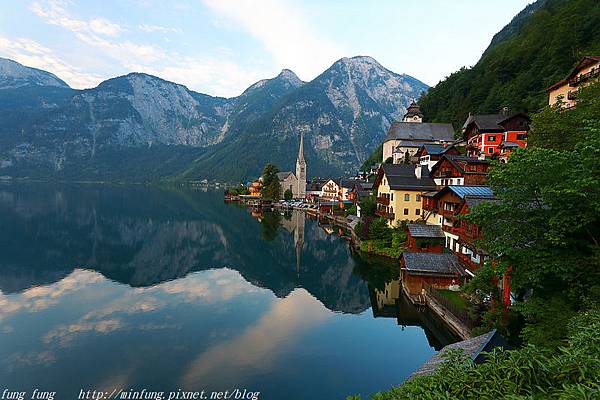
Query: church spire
[
  {"x": 301, "y": 169},
  {"x": 301, "y": 149}
]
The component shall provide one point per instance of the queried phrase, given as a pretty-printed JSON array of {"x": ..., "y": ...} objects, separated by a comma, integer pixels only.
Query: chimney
[
  {"x": 418, "y": 171},
  {"x": 504, "y": 111}
]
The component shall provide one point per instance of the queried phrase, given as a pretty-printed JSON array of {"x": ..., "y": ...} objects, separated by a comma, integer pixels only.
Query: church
[{"x": 296, "y": 183}]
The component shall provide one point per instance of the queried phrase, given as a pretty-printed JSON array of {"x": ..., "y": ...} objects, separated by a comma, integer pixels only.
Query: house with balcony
[
  {"x": 330, "y": 189},
  {"x": 459, "y": 170},
  {"x": 565, "y": 90},
  {"x": 399, "y": 188},
  {"x": 429, "y": 154},
  {"x": 451, "y": 203},
  {"x": 483, "y": 133}
]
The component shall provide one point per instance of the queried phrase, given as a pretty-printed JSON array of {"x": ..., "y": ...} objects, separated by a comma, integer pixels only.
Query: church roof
[
  {"x": 283, "y": 175},
  {"x": 429, "y": 132}
]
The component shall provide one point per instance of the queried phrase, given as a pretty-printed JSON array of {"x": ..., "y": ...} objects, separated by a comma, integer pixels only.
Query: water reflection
[{"x": 136, "y": 286}]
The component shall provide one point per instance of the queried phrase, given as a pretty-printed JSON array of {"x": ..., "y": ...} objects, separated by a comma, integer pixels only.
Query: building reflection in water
[
  {"x": 294, "y": 223},
  {"x": 391, "y": 302}
]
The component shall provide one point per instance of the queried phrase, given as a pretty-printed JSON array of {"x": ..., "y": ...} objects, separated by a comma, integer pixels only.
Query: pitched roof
[
  {"x": 584, "y": 62},
  {"x": 472, "y": 347},
  {"x": 283, "y": 175},
  {"x": 412, "y": 110},
  {"x": 444, "y": 264},
  {"x": 436, "y": 148},
  {"x": 485, "y": 122},
  {"x": 402, "y": 176},
  {"x": 473, "y": 191},
  {"x": 409, "y": 143},
  {"x": 425, "y": 231},
  {"x": 460, "y": 161},
  {"x": 420, "y": 131}
]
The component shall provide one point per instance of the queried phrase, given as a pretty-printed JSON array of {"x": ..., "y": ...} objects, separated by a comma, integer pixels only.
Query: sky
[{"x": 220, "y": 47}]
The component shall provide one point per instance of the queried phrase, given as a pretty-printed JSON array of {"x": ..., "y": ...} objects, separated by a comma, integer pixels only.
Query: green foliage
[
  {"x": 238, "y": 190},
  {"x": 570, "y": 371},
  {"x": 288, "y": 195},
  {"x": 350, "y": 210},
  {"x": 271, "y": 187},
  {"x": 374, "y": 158},
  {"x": 379, "y": 230},
  {"x": 538, "y": 50},
  {"x": 547, "y": 224},
  {"x": 368, "y": 206}
]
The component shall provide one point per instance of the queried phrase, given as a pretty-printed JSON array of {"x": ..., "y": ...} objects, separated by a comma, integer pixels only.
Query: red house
[
  {"x": 425, "y": 238},
  {"x": 485, "y": 132},
  {"x": 459, "y": 170}
]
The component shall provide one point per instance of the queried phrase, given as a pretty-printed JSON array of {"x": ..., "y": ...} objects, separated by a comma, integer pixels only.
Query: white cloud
[
  {"x": 32, "y": 54},
  {"x": 214, "y": 75},
  {"x": 158, "y": 28},
  {"x": 284, "y": 32},
  {"x": 54, "y": 12}
]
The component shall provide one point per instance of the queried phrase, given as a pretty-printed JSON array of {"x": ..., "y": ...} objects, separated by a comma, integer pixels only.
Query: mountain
[
  {"x": 536, "y": 49},
  {"x": 139, "y": 127},
  {"x": 344, "y": 113},
  {"x": 14, "y": 75}
]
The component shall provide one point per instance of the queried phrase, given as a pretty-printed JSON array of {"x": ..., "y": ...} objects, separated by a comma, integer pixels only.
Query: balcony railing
[
  {"x": 580, "y": 78},
  {"x": 383, "y": 201},
  {"x": 385, "y": 214}
]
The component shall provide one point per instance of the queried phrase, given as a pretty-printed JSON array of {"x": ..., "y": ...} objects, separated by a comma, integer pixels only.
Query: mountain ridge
[{"x": 66, "y": 133}]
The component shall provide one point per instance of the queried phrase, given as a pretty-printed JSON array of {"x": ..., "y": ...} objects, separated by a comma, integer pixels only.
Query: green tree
[
  {"x": 271, "y": 187},
  {"x": 288, "y": 195},
  {"x": 368, "y": 206},
  {"x": 547, "y": 223}
]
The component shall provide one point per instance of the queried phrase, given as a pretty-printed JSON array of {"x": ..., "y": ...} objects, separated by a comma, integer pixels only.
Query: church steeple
[{"x": 301, "y": 169}]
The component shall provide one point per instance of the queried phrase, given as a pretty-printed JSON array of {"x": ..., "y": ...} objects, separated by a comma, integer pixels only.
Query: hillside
[
  {"x": 139, "y": 127},
  {"x": 537, "y": 48}
]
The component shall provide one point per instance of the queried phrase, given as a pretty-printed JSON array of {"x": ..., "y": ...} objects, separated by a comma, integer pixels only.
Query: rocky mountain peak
[
  {"x": 14, "y": 75},
  {"x": 290, "y": 76}
]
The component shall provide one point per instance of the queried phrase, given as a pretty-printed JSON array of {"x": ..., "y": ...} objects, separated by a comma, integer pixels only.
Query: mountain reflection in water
[{"x": 137, "y": 286}]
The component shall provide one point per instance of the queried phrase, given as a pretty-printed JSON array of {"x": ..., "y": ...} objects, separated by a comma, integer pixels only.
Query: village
[{"x": 414, "y": 205}]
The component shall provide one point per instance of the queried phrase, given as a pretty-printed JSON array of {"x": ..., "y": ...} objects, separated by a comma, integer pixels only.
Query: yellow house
[
  {"x": 399, "y": 189},
  {"x": 587, "y": 70}
]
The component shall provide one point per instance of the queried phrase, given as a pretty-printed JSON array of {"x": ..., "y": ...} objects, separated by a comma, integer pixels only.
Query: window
[
  {"x": 418, "y": 197},
  {"x": 407, "y": 197},
  {"x": 490, "y": 150},
  {"x": 417, "y": 212},
  {"x": 392, "y": 197},
  {"x": 492, "y": 138},
  {"x": 521, "y": 136},
  {"x": 406, "y": 211}
]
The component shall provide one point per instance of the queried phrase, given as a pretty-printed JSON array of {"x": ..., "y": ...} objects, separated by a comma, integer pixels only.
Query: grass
[{"x": 454, "y": 298}]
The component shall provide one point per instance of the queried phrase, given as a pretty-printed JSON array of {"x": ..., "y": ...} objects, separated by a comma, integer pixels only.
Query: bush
[{"x": 570, "y": 371}]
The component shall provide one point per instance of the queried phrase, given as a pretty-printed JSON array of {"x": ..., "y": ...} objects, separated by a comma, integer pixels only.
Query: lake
[{"x": 131, "y": 287}]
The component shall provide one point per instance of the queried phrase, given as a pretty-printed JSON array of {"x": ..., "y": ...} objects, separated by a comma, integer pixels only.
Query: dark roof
[
  {"x": 409, "y": 143},
  {"x": 402, "y": 176},
  {"x": 584, "y": 62},
  {"x": 472, "y": 347},
  {"x": 425, "y": 231},
  {"x": 435, "y": 148},
  {"x": 413, "y": 110},
  {"x": 420, "y": 131},
  {"x": 283, "y": 175},
  {"x": 509, "y": 144},
  {"x": 346, "y": 183},
  {"x": 445, "y": 264},
  {"x": 486, "y": 122}
]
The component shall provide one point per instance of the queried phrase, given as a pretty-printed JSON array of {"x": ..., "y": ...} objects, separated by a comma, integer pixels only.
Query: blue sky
[{"x": 220, "y": 47}]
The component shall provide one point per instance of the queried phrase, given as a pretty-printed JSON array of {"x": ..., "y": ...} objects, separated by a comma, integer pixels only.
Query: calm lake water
[{"x": 105, "y": 287}]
